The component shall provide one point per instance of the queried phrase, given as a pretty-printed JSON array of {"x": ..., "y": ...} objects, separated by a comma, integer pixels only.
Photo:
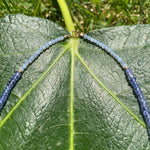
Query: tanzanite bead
[
  {"x": 85, "y": 36},
  {"x": 38, "y": 52},
  {"x": 5, "y": 94},
  {"x": 107, "y": 49},
  {"x": 143, "y": 104},
  {"x": 132, "y": 80}
]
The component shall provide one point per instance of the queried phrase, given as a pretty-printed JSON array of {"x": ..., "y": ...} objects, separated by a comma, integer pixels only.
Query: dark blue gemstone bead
[
  {"x": 141, "y": 97},
  {"x": 137, "y": 91},
  {"x": 7, "y": 87},
  {"x": 4, "y": 98},
  {"x": 139, "y": 94},
  {"x": 148, "y": 123},
  {"x": 146, "y": 114},
  {"x": 144, "y": 106},
  {"x": 5, "y": 94},
  {"x": 11, "y": 84}
]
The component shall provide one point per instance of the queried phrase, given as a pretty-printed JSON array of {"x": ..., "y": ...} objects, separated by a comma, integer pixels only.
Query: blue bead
[
  {"x": 5, "y": 94},
  {"x": 148, "y": 122},
  {"x": 139, "y": 94},
  {"x": 146, "y": 114},
  {"x": 92, "y": 39},
  {"x": 57, "y": 39},
  {"x": 7, "y": 88},
  {"x": 124, "y": 65},
  {"x": 47, "y": 45},
  {"x": 102, "y": 45},
  {"x": 88, "y": 38},
  {"x": 26, "y": 63},
  {"x": 119, "y": 59},
  {"x": 141, "y": 97},
  {"x": 22, "y": 69},
  {"x": 137, "y": 91},
  {"x": 43, "y": 47},
  {"x": 85, "y": 36},
  {"x": 36, "y": 55},
  {"x": 50, "y": 43},
  {"x": 144, "y": 106},
  {"x": 40, "y": 50},
  {"x": 62, "y": 38},
  {"x": 107, "y": 49},
  {"x": 31, "y": 59},
  {"x": 95, "y": 41}
]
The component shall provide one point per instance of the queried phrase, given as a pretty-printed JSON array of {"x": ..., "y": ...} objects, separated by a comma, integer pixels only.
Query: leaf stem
[{"x": 66, "y": 14}]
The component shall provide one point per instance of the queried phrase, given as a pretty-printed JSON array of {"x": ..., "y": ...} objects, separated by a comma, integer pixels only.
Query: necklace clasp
[{"x": 75, "y": 34}]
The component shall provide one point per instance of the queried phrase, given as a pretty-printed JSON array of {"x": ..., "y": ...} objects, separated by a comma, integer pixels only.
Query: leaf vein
[{"x": 108, "y": 91}]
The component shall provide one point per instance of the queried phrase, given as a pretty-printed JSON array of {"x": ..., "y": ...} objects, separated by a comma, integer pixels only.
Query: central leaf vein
[
  {"x": 72, "y": 101},
  {"x": 74, "y": 48}
]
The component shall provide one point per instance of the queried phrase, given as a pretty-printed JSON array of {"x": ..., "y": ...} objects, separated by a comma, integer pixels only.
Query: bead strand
[
  {"x": 38, "y": 52},
  {"x": 132, "y": 80},
  {"x": 13, "y": 81},
  {"x": 107, "y": 49},
  {"x": 5, "y": 94},
  {"x": 143, "y": 104}
]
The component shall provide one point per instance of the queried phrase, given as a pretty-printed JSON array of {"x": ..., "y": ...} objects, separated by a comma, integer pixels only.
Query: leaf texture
[{"x": 64, "y": 93}]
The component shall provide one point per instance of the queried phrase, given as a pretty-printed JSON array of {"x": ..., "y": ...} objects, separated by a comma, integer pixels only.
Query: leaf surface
[{"x": 70, "y": 97}]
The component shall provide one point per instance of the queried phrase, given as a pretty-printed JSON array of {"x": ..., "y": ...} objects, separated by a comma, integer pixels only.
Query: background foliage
[{"x": 87, "y": 15}]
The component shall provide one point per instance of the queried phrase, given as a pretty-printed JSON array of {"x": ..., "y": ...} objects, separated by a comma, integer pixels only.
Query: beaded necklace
[{"x": 129, "y": 74}]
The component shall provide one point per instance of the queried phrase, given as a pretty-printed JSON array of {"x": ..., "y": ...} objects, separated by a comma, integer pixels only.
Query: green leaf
[{"x": 70, "y": 98}]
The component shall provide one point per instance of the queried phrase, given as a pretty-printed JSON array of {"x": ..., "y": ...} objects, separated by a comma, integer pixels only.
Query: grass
[{"x": 87, "y": 15}]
